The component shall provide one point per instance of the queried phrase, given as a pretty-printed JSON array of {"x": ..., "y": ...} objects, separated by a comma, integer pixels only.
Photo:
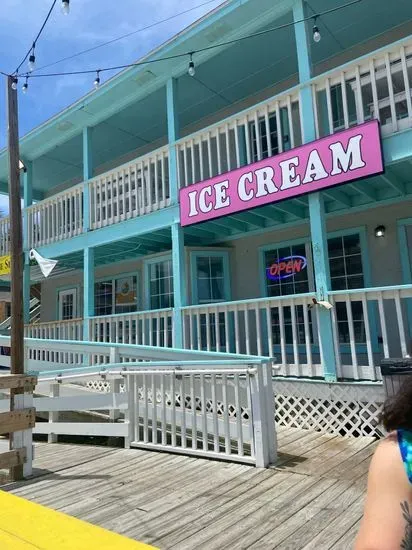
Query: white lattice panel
[{"x": 343, "y": 408}]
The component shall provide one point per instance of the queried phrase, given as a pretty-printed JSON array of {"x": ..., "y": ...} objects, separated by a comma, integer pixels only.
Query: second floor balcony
[{"x": 377, "y": 85}]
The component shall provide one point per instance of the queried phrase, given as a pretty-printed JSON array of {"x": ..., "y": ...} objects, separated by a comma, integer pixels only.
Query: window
[
  {"x": 210, "y": 283},
  {"x": 118, "y": 295},
  {"x": 345, "y": 261},
  {"x": 67, "y": 300},
  {"x": 297, "y": 284},
  {"x": 210, "y": 279},
  {"x": 161, "y": 284},
  {"x": 346, "y": 272}
]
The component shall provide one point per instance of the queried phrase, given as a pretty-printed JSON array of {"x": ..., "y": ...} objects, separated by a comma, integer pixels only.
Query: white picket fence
[
  {"x": 185, "y": 409},
  {"x": 4, "y": 236}
]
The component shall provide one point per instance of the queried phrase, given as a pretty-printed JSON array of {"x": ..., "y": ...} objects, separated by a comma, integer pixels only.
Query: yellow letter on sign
[{"x": 5, "y": 263}]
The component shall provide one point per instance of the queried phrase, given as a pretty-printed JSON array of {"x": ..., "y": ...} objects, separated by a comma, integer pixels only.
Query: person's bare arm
[{"x": 387, "y": 520}]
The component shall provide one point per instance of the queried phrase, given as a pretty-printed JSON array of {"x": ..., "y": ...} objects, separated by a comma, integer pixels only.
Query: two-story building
[{"x": 133, "y": 190}]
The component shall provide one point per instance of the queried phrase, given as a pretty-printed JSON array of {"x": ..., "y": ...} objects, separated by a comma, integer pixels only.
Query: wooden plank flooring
[{"x": 312, "y": 499}]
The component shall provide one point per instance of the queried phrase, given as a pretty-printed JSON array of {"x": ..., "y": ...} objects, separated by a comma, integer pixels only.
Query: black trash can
[{"x": 394, "y": 373}]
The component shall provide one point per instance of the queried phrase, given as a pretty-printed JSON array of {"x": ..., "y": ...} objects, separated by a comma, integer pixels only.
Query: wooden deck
[{"x": 312, "y": 500}]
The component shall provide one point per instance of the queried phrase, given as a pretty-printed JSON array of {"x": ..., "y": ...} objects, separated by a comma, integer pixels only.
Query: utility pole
[{"x": 16, "y": 244}]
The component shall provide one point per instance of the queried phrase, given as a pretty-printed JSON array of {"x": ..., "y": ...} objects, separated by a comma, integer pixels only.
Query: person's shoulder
[{"x": 387, "y": 459}]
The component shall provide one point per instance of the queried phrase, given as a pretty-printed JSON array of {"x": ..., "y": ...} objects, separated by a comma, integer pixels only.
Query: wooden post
[{"x": 16, "y": 242}]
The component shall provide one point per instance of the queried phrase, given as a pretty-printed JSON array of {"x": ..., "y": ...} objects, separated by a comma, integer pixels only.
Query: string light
[
  {"x": 96, "y": 82},
  {"x": 191, "y": 67},
  {"x": 14, "y": 84},
  {"x": 66, "y": 7},
  {"x": 25, "y": 85},
  {"x": 191, "y": 70},
  {"x": 32, "y": 60},
  {"x": 316, "y": 32}
]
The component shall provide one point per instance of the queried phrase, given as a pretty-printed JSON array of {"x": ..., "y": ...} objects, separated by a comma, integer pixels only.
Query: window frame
[
  {"x": 146, "y": 266},
  {"x": 361, "y": 231},
  {"x": 113, "y": 278},
  {"x": 65, "y": 288},
  {"x": 194, "y": 255}
]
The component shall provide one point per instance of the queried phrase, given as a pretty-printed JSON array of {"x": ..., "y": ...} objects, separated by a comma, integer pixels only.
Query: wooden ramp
[{"x": 312, "y": 500}]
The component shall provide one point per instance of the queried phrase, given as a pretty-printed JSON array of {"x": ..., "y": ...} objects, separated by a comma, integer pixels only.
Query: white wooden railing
[
  {"x": 221, "y": 411},
  {"x": 56, "y": 330},
  {"x": 56, "y": 218},
  {"x": 4, "y": 236},
  {"x": 375, "y": 86},
  {"x": 368, "y": 325},
  {"x": 283, "y": 327},
  {"x": 151, "y": 328},
  {"x": 264, "y": 130},
  {"x": 136, "y": 188}
]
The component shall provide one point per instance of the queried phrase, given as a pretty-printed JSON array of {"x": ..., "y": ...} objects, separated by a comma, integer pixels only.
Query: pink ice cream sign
[{"x": 342, "y": 157}]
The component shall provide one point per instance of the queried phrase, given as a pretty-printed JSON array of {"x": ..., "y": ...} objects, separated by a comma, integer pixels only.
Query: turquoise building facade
[{"x": 102, "y": 182}]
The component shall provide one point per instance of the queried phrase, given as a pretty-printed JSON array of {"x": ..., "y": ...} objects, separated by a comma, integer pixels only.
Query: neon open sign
[{"x": 286, "y": 267}]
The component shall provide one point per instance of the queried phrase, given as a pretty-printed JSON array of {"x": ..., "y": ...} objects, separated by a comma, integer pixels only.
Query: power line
[
  {"x": 127, "y": 35},
  {"x": 31, "y": 50},
  {"x": 192, "y": 52}
]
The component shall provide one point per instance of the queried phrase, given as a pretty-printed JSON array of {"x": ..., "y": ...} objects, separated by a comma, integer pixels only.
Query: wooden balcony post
[
  {"x": 179, "y": 283},
  {"x": 173, "y": 136},
  {"x": 87, "y": 175},
  {"x": 316, "y": 204},
  {"x": 88, "y": 290},
  {"x": 28, "y": 201}
]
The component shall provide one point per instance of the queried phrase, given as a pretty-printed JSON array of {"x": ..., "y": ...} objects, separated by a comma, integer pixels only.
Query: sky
[{"x": 90, "y": 23}]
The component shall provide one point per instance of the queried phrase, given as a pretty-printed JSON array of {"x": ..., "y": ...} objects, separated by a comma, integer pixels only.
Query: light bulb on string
[
  {"x": 316, "y": 32},
  {"x": 191, "y": 69},
  {"x": 15, "y": 83},
  {"x": 96, "y": 82},
  {"x": 66, "y": 7},
  {"x": 32, "y": 61},
  {"x": 25, "y": 85}
]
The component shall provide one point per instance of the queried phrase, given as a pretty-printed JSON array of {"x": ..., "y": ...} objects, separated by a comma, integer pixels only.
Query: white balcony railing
[
  {"x": 134, "y": 189},
  {"x": 56, "y": 330},
  {"x": 368, "y": 325},
  {"x": 4, "y": 236},
  {"x": 56, "y": 218},
  {"x": 149, "y": 328},
  {"x": 264, "y": 130},
  {"x": 376, "y": 86}
]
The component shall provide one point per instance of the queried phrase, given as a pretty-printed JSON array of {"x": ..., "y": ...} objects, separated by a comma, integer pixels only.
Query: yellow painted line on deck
[{"x": 25, "y": 525}]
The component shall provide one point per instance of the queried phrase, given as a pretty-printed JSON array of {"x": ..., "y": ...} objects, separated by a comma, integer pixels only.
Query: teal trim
[
  {"x": 224, "y": 254},
  {"x": 302, "y": 47},
  {"x": 148, "y": 223},
  {"x": 316, "y": 204},
  {"x": 173, "y": 136},
  {"x": 87, "y": 174},
  {"x": 59, "y": 289},
  {"x": 88, "y": 290},
  {"x": 179, "y": 282},
  {"x": 28, "y": 200},
  {"x": 146, "y": 269},
  {"x": 406, "y": 263}
]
